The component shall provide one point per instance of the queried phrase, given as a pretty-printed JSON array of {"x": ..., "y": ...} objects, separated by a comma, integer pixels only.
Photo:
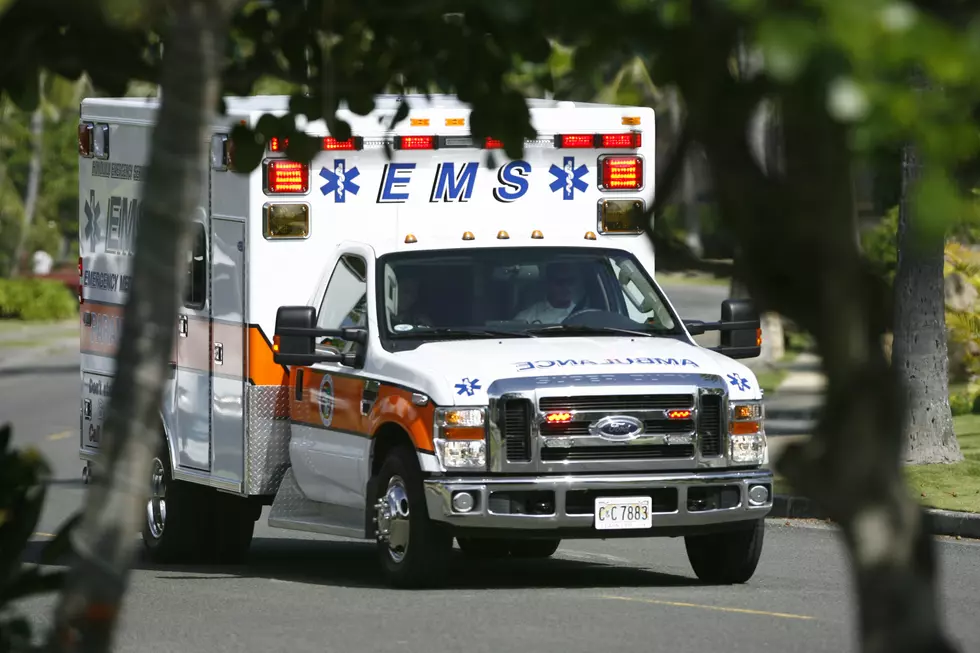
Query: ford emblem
[{"x": 618, "y": 428}]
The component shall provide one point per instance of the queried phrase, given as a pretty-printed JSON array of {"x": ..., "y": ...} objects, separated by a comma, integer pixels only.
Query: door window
[
  {"x": 345, "y": 301},
  {"x": 196, "y": 291}
]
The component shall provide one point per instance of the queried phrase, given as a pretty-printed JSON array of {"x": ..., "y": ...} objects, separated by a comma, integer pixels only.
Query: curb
[
  {"x": 941, "y": 522},
  {"x": 28, "y": 354}
]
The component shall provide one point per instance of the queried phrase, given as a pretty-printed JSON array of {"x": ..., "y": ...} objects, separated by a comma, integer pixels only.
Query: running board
[{"x": 292, "y": 510}]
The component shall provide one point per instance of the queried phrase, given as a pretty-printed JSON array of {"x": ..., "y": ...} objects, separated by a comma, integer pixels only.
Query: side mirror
[
  {"x": 741, "y": 331},
  {"x": 295, "y": 317},
  {"x": 741, "y": 335},
  {"x": 295, "y": 339}
]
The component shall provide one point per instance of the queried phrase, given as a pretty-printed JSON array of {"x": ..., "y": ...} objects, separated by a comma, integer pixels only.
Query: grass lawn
[
  {"x": 950, "y": 487},
  {"x": 700, "y": 279},
  {"x": 769, "y": 380}
]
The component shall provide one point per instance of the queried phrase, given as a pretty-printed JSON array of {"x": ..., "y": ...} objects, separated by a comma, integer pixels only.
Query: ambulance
[{"x": 413, "y": 339}]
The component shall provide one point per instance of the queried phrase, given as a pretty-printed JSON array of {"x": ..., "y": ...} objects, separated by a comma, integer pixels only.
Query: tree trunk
[
  {"x": 104, "y": 542},
  {"x": 33, "y": 179},
  {"x": 798, "y": 257},
  {"x": 919, "y": 346}
]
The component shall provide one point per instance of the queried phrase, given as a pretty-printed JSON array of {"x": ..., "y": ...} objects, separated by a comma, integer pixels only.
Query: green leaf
[
  {"x": 32, "y": 582},
  {"x": 18, "y": 530},
  {"x": 60, "y": 544},
  {"x": 302, "y": 147},
  {"x": 248, "y": 149}
]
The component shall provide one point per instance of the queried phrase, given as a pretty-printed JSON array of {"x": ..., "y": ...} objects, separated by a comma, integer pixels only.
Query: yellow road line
[
  {"x": 718, "y": 608},
  {"x": 60, "y": 436}
]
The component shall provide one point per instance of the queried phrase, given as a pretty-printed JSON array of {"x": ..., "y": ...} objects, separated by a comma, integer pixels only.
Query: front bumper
[{"x": 566, "y": 503}]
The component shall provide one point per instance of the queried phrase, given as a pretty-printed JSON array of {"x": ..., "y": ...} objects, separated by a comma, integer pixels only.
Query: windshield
[{"x": 522, "y": 292}]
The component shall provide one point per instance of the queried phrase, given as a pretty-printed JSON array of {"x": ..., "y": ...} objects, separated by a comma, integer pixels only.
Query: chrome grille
[
  {"x": 636, "y": 452},
  {"x": 709, "y": 425},
  {"x": 617, "y": 403},
  {"x": 516, "y": 429}
]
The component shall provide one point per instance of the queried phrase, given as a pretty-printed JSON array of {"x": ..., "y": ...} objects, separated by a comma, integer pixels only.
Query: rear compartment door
[
  {"x": 228, "y": 349},
  {"x": 193, "y": 383}
]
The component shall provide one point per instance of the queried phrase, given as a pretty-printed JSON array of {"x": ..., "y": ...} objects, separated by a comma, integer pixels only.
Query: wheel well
[{"x": 388, "y": 437}]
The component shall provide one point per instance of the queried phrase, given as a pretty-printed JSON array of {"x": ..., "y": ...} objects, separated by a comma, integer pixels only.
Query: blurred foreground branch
[{"x": 104, "y": 544}]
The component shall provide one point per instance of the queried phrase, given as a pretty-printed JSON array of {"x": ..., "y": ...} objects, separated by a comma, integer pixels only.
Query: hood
[{"x": 465, "y": 368}]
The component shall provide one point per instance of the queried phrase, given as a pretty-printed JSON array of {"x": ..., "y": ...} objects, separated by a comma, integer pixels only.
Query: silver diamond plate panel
[
  {"x": 267, "y": 457},
  {"x": 291, "y": 504}
]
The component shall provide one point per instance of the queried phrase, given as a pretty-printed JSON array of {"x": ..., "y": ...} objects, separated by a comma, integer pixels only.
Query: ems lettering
[
  {"x": 395, "y": 176},
  {"x": 123, "y": 221},
  {"x": 513, "y": 181},
  {"x": 524, "y": 366},
  {"x": 451, "y": 187}
]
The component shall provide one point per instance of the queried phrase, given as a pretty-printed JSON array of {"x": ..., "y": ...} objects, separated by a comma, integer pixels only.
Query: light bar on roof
[
  {"x": 623, "y": 140},
  {"x": 330, "y": 144}
]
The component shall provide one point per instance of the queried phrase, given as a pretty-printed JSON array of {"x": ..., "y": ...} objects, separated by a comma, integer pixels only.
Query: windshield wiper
[
  {"x": 577, "y": 328},
  {"x": 453, "y": 331}
]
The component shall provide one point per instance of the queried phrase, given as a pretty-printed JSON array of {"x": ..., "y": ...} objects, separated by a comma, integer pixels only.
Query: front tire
[
  {"x": 414, "y": 551},
  {"x": 727, "y": 558}
]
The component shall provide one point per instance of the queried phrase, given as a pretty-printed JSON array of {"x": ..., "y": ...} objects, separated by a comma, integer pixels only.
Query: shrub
[{"x": 36, "y": 300}]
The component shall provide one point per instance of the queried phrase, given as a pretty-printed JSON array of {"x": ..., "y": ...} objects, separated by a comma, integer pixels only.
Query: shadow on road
[
  {"x": 355, "y": 565},
  {"x": 40, "y": 370}
]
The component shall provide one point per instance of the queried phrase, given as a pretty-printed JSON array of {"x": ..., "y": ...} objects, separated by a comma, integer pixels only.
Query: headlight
[
  {"x": 747, "y": 434},
  {"x": 460, "y": 438}
]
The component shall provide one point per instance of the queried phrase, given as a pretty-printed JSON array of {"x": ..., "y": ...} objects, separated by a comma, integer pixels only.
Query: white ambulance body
[{"x": 494, "y": 362}]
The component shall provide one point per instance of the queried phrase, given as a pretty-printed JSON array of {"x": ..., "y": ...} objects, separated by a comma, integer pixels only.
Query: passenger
[
  {"x": 408, "y": 308},
  {"x": 560, "y": 296}
]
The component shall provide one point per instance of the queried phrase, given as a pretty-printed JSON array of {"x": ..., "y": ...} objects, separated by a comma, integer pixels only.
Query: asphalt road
[{"x": 309, "y": 593}]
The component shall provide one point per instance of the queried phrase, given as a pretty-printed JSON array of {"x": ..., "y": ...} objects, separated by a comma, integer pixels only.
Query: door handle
[{"x": 182, "y": 325}]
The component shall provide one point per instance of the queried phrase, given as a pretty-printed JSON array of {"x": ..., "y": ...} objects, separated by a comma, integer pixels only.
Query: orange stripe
[
  {"x": 262, "y": 370},
  {"x": 393, "y": 405}
]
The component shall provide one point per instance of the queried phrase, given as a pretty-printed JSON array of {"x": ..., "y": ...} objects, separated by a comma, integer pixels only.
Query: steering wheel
[{"x": 583, "y": 311}]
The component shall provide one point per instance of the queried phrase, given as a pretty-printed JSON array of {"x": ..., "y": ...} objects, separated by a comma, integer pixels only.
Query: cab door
[
  {"x": 192, "y": 391},
  {"x": 330, "y": 445}
]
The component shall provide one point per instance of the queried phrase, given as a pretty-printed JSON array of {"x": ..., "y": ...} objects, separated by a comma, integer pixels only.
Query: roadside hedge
[{"x": 36, "y": 300}]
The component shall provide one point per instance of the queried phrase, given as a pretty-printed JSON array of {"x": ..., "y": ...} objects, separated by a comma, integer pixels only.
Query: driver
[
  {"x": 560, "y": 293},
  {"x": 408, "y": 307}
]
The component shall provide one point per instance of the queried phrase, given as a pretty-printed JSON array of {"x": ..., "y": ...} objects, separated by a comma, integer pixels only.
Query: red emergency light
[
  {"x": 286, "y": 177},
  {"x": 415, "y": 142},
  {"x": 627, "y": 140},
  {"x": 493, "y": 144},
  {"x": 678, "y": 414},
  {"x": 353, "y": 143},
  {"x": 85, "y": 138},
  {"x": 330, "y": 144},
  {"x": 558, "y": 418},
  {"x": 621, "y": 172}
]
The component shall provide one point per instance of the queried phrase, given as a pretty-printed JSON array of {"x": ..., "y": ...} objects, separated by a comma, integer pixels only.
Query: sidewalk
[
  {"x": 793, "y": 408},
  {"x": 21, "y": 342}
]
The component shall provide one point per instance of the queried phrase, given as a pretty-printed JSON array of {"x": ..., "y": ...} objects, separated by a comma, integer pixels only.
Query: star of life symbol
[
  {"x": 569, "y": 178},
  {"x": 738, "y": 382},
  {"x": 340, "y": 180},
  {"x": 93, "y": 231},
  {"x": 468, "y": 387}
]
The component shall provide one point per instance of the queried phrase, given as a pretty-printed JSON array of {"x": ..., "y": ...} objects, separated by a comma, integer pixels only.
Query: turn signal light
[{"x": 275, "y": 344}]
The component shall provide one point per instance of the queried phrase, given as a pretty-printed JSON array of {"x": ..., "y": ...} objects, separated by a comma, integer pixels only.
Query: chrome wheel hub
[
  {"x": 156, "y": 505},
  {"x": 393, "y": 518}
]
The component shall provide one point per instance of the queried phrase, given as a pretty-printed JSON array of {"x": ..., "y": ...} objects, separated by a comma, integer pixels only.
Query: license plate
[{"x": 623, "y": 512}]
